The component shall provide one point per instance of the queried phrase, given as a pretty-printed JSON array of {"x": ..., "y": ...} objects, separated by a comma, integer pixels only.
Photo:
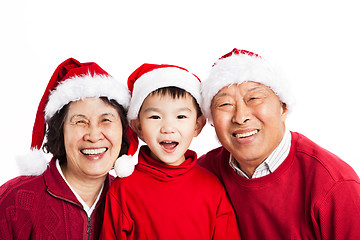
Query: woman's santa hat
[
  {"x": 150, "y": 77},
  {"x": 73, "y": 81},
  {"x": 240, "y": 66}
]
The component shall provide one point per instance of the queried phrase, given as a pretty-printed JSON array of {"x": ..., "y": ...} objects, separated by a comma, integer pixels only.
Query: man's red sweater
[
  {"x": 168, "y": 202},
  {"x": 312, "y": 195}
]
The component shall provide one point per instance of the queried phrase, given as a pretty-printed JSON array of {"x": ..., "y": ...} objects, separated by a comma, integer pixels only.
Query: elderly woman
[{"x": 83, "y": 111}]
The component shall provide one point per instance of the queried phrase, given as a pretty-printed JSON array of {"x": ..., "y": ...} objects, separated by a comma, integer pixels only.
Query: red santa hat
[
  {"x": 73, "y": 81},
  {"x": 240, "y": 66},
  {"x": 150, "y": 77}
]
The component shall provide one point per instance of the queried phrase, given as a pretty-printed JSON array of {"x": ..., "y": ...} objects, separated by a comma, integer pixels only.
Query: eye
[
  {"x": 80, "y": 122},
  {"x": 106, "y": 120},
  {"x": 181, "y": 117},
  {"x": 224, "y": 104},
  {"x": 154, "y": 117}
]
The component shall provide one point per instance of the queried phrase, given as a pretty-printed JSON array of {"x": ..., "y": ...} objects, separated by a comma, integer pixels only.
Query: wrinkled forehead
[{"x": 243, "y": 88}]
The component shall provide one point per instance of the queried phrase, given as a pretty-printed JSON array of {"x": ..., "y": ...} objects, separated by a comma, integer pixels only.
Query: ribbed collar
[{"x": 162, "y": 171}]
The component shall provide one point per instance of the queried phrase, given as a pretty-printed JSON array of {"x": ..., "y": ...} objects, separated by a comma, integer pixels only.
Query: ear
[
  {"x": 284, "y": 111},
  {"x": 135, "y": 124},
  {"x": 200, "y": 123}
]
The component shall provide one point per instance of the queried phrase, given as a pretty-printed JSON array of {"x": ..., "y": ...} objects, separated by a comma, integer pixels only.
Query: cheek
[
  {"x": 72, "y": 137},
  {"x": 114, "y": 135},
  {"x": 220, "y": 118}
]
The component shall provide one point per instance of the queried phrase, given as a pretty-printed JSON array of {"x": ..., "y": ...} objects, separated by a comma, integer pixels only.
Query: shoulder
[
  {"x": 21, "y": 193},
  {"x": 213, "y": 157},
  {"x": 21, "y": 183},
  {"x": 319, "y": 158}
]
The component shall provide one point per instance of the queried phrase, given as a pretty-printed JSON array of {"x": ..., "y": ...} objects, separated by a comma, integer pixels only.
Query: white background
[{"x": 316, "y": 42}]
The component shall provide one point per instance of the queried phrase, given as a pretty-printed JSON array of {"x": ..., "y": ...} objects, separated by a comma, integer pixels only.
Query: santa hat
[
  {"x": 240, "y": 66},
  {"x": 150, "y": 77},
  {"x": 72, "y": 81}
]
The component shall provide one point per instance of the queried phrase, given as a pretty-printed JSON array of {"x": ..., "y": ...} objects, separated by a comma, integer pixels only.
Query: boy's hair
[{"x": 175, "y": 93}]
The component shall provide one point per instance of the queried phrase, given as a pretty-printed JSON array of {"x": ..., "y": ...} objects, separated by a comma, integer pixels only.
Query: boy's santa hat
[
  {"x": 240, "y": 66},
  {"x": 73, "y": 81},
  {"x": 150, "y": 77}
]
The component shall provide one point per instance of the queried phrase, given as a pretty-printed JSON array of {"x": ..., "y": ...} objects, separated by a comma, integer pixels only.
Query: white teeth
[
  {"x": 248, "y": 134},
  {"x": 93, "y": 151}
]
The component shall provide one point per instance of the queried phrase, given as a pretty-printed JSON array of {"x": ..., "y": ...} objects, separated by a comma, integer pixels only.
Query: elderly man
[{"x": 281, "y": 184}]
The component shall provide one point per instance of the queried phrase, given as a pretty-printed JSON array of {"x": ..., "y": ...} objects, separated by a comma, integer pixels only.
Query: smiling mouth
[
  {"x": 244, "y": 135},
  {"x": 169, "y": 145},
  {"x": 93, "y": 151}
]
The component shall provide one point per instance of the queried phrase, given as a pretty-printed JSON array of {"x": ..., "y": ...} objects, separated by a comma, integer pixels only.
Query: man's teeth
[
  {"x": 93, "y": 151},
  {"x": 248, "y": 134}
]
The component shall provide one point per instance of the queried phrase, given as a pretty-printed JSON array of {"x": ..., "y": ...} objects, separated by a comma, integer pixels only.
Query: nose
[
  {"x": 167, "y": 127},
  {"x": 241, "y": 114},
  {"x": 93, "y": 134}
]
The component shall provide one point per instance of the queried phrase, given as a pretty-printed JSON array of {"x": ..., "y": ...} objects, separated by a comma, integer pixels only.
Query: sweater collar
[
  {"x": 162, "y": 171},
  {"x": 57, "y": 187}
]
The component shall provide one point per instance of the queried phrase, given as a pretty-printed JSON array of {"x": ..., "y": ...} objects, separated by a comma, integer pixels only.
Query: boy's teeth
[
  {"x": 169, "y": 144},
  {"x": 248, "y": 134},
  {"x": 93, "y": 151}
]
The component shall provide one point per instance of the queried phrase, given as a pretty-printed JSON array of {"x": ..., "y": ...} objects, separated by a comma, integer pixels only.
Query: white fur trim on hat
[
  {"x": 159, "y": 78},
  {"x": 239, "y": 68},
  {"x": 124, "y": 166},
  {"x": 81, "y": 87},
  {"x": 32, "y": 164}
]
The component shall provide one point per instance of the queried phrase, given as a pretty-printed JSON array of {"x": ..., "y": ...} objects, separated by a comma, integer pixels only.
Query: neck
[
  {"x": 247, "y": 168},
  {"x": 87, "y": 188}
]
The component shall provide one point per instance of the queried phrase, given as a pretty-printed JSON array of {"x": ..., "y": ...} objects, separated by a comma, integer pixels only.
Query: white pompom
[
  {"x": 124, "y": 166},
  {"x": 32, "y": 164}
]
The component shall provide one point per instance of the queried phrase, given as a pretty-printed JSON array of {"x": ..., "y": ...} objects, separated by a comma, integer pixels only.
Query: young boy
[{"x": 168, "y": 196}]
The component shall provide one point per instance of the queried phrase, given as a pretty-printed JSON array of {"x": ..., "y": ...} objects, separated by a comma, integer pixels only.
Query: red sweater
[
  {"x": 168, "y": 202},
  {"x": 312, "y": 195},
  {"x": 44, "y": 207}
]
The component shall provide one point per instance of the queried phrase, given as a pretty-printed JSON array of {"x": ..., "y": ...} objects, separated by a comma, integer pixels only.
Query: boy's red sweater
[{"x": 168, "y": 202}]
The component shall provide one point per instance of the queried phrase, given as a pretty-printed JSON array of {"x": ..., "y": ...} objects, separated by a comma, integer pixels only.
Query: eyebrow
[
  {"x": 84, "y": 116},
  {"x": 256, "y": 88}
]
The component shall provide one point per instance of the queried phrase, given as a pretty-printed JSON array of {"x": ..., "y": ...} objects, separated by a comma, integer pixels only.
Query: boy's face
[{"x": 168, "y": 125}]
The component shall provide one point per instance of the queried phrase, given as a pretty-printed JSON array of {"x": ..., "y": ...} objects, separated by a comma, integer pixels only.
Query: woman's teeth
[
  {"x": 248, "y": 134},
  {"x": 93, "y": 151}
]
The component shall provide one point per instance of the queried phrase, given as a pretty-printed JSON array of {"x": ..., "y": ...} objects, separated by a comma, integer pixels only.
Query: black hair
[{"x": 176, "y": 92}]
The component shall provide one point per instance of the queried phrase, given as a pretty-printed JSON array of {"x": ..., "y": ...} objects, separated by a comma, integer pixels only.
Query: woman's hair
[
  {"x": 54, "y": 142},
  {"x": 176, "y": 92}
]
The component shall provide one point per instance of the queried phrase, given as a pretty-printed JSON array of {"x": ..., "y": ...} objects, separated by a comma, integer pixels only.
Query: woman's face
[{"x": 92, "y": 138}]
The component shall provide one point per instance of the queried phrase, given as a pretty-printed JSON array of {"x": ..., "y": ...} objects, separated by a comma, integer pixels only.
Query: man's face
[{"x": 249, "y": 121}]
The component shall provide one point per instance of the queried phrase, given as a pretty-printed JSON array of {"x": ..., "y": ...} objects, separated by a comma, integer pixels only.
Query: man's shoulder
[
  {"x": 213, "y": 155},
  {"x": 214, "y": 160},
  {"x": 317, "y": 156}
]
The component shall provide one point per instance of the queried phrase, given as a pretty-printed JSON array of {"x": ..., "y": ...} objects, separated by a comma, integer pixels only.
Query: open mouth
[
  {"x": 169, "y": 145},
  {"x": 244, "y": 135},
  {"x": 93, "y": 151}
]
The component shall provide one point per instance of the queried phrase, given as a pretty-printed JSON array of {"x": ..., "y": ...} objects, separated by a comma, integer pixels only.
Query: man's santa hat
[
  {"x": 240, "y": 66},
  {"x": 150, "y": 77},
  {"x": 73, "y": 81}
]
